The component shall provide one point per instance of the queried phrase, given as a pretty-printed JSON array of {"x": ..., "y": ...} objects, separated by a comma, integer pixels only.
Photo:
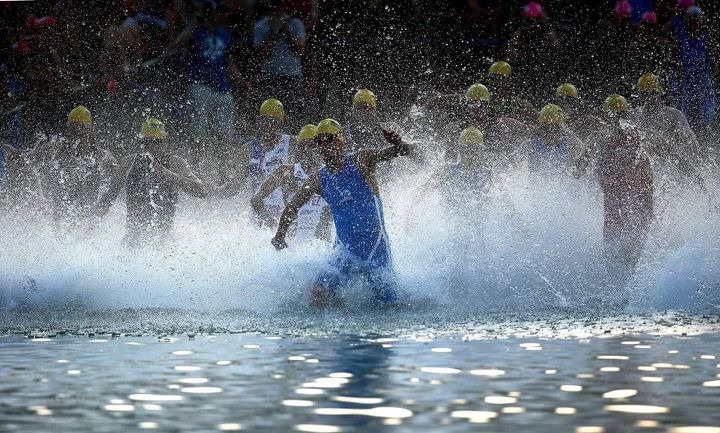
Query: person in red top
[{"x": 626, "y": 179}]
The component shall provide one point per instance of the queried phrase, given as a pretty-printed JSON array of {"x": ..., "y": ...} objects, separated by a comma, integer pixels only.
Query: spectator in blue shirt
[
  {"x": 212, "y": 69},
  {"x": 280, "y": 41}
]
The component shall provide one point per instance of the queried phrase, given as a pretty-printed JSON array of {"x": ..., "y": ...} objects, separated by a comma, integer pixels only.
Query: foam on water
[{"x": 527, "y": 245}]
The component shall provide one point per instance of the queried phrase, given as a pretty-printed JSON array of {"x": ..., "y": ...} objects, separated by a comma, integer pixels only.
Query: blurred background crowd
[{"x": 204, "y": 66}]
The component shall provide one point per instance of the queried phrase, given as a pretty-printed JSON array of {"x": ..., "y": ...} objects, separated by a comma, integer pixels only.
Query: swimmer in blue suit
[{"x": 347, "y": 183}]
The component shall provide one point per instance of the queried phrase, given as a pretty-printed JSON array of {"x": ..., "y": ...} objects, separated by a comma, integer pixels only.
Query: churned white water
[{"x": 526, "y": 245}]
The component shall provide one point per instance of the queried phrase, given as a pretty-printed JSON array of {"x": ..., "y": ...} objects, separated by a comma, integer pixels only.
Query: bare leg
[{"x": 321, "y": 297}]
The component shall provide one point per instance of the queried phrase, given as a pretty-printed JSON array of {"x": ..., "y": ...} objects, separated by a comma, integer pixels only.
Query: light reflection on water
[{"x": 358, "y": 384}]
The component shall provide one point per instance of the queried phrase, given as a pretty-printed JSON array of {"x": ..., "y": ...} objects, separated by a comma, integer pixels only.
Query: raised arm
[
  {"x": 368, "y": 158},
  {"x": 179, "y": 171},
  {"x": 272, "y": 183},
  {"x": 303, "y": 195}
]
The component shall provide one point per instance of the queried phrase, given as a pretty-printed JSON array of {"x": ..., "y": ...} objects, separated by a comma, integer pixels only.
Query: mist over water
[{"x": 528, "y": 245}]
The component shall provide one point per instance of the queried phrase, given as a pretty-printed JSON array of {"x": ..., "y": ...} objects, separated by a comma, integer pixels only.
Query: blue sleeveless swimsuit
[{"x": 361, "y": 244}]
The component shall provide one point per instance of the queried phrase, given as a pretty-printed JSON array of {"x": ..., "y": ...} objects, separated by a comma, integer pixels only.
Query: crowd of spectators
[{"x": 204, "y": 66}]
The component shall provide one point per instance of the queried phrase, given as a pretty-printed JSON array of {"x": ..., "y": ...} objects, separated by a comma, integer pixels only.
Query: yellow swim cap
[
  {"x": 272, "y": 108},
  {"x": 153, "y": 128},
  {"x": 551, "y": 114},
  {"x": 308, "y": 132},
  {"x": 471, "y": 136},
  {"x": 500, "y": 67},
  {"x": 80, "y": 114},
  {"x": 566, "y": 90},
  {"x": 648, "y": 83},
  {"x": 365, "y": 96},
  {"x": 478, "y": 92},
  {"x": 330, "y": 126},
  {"x": 616, "y": 104}
]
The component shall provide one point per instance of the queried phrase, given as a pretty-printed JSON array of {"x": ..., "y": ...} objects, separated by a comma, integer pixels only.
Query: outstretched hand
[
  {"x": 278, "y": 243},
  {"x": 392, "y": 137}
]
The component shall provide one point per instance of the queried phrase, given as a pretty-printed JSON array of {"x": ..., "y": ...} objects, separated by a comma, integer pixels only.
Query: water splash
[{"x": 528, "y": 244}]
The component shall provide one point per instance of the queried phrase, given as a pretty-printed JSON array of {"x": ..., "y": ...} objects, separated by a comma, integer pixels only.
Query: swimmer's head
[
  {"x": 365, "y": 106},
  {"x": 648, "y": 87},
  {"x": 477, "y": 98},
  {"x": 270, "y": 120},
  {"x": 551, "y": 121},
  {"x": 615, "y": 107},
  {"x": 499, "y": 77},
  {"x": 304, "y": 150},
  {"x": 153, "y": 134},
  {"x": 153, "y": 129},
  {"x": 568, "y": 98},
  {"x": 330, "y": 140},
  {"x": 79, "y": 123},
  {"x": 307, "y": 134}
]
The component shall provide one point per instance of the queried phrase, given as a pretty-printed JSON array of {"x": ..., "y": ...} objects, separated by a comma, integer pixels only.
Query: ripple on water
[
  {"x": 620, "y": 393},
  {"x": 155, "y": 397},
  {"x": 193, "y": 380},
  {"x": 119, "y": 407},
  {"x": 201, "y": 389},
  {"x": 513, "y": 410},
  {"x": 695, "y": 429},
  {"x": 377, "y": 412},
  {"x": 187, "y": 368},
  {"x": 298, "y": 403},
  {"x": 489, "y": 372},
  {"x": 440, "y": 370},
  {"x": 358, "y": 400},
  {"x": 637, "y": 408},
  {"x": 229, "y": 426},
  {"x": 475, "y": 416},
  {"x": 565, "y": 410},
  {"x": 317, "y": 428},
  {"x": 309, "y": 391},
  {"x": 500, "y": 399},
  {"x": 571, "y": 388}
]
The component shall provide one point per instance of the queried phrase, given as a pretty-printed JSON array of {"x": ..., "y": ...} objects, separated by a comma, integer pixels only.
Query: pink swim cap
[
  {"x": 649, "y": 18},
  {"x": 685, "y": 4},
  {"x": 533, "y": 11},
  {"x": 623, "y": 9}
]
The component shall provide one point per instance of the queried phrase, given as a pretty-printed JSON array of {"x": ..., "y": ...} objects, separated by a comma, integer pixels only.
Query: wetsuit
[
  {"x": 626, "y": 179},
  {"x": 151, "y": 202},
  {"x": 263, "y": 165},
  {"x": 545, "y": 159},
  {"x": 73, "y": 183},
  {"x": 361, "y": 245}
]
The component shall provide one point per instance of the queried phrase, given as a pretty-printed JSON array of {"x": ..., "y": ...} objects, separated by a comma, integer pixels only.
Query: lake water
[{"x": 175, "y": 370}]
